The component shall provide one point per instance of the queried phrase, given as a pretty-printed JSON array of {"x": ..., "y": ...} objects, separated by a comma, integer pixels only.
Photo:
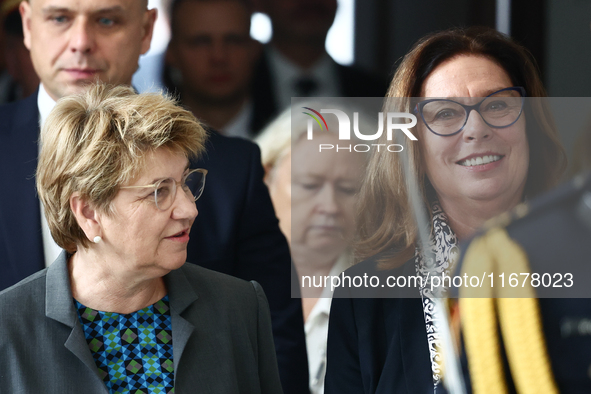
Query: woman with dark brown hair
[{"x": 482, "y": 149}]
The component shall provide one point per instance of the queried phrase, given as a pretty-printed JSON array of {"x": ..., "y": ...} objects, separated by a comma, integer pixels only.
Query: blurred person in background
[
  {"x": 481, "y": 149},
  {"x": 314, "y": 195},
  {"x": 19, "y": 80},
  {"x": 295, "y": 62},
  {"x": 210, "y": 61},
  {"x": 119, "y": 309},
  {"x": 148, "y": 76}
]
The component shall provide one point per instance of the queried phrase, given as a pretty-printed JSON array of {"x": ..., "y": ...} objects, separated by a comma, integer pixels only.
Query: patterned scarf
[{"x": 444, "y": 248}]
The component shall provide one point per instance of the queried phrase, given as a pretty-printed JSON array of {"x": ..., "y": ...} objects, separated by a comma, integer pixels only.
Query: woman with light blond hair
[{"x": 313, "y": 194}]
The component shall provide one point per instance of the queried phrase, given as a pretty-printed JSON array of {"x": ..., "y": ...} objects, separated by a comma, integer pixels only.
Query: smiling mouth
[{"x": 481, "y": 160}]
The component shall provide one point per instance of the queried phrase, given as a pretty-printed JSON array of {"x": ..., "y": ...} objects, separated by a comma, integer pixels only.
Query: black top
[{"x": 377, "y": 345}]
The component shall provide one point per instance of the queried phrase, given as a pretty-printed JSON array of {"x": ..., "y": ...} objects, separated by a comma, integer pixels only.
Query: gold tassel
[
  {"x": 521, "y": 324},
  {"x": 479, "y": 326},
  {"x": 519, "y": 319}
]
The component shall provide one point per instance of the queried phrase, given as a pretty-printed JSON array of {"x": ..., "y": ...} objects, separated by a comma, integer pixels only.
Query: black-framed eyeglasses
[
  {"x": 165, "y": 189},
  {"x": 447, "y": 117}
]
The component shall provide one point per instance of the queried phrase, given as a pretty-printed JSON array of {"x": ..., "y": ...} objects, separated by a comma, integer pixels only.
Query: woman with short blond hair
[
  {"x": 314, "y": 194},
  {"x": 119, "y": 310}
]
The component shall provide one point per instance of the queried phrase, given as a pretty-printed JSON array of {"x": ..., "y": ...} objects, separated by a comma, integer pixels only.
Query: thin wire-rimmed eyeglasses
[
  {"x": 445, "y": 117},
  {"x": 165, "y": 189}
]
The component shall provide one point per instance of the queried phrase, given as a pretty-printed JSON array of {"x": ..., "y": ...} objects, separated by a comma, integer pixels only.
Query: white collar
[
  {"x": 285, "y": 74},
  {"x": 50, "y": 249},
  {"x": 319, "y": 69},
  {"x": 45, "y": 104},
  {"x": 322, "y": 306}
]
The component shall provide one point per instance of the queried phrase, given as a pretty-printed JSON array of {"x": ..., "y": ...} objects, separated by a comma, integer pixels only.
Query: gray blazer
[{"x": 221, "y": 330}]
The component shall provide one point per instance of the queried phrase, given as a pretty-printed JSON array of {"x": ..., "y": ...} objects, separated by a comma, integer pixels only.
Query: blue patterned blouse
[{"x": 133, "y": 352}]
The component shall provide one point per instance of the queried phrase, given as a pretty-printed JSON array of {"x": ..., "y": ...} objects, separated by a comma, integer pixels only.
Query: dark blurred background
[{"x": 557, "y": 32}]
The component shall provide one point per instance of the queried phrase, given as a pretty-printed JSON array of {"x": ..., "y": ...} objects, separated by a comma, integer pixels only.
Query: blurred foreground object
[{"x": 532, "y": 345}]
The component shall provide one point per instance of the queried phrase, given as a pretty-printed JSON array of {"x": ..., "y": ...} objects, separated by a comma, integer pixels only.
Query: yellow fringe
[
  {"x": 519, "y": 319},
  {"x": 479, "y": 326}
]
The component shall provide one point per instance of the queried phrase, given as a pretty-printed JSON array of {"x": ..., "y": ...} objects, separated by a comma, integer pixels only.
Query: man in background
[
  {"x": 19, "y": 79},
  {"x": 74, "y": 43},
  {"x": 211, "y": 58},
  {"x": 295, "y": 62}
]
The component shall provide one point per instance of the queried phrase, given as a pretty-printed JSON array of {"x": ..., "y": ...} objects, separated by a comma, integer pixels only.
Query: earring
[{"x": 97, "y": 239}]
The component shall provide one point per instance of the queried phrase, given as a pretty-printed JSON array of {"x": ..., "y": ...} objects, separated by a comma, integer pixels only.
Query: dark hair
[
  {"x": 13, "y": 25},
  {"x": 385, "y": 220},
  {"x": 174, "y": 5},
  {"x": 436, "y": 48}
]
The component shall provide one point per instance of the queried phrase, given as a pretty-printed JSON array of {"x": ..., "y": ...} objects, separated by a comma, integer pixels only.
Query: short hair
[
  {"x": 278, "y": 137},
  {"x": 96, "y": 142},
  {"x": 175, "y": 4},
  {"x": 11, "y": 22},
  {"x": 144, "y": 2},
  {"x": 385, "y": 221}
]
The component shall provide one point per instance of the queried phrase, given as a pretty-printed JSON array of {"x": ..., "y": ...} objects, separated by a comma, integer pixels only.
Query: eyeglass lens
[
  {"x": 448, "y": 117},
  {"x": 165, "y": 192}
]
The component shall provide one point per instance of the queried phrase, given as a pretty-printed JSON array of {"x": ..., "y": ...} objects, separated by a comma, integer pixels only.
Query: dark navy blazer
[
  {"x": 236, "y": 232},
  {"x": 21, "y": 244},
  {"x": 377, "y": 345}
]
